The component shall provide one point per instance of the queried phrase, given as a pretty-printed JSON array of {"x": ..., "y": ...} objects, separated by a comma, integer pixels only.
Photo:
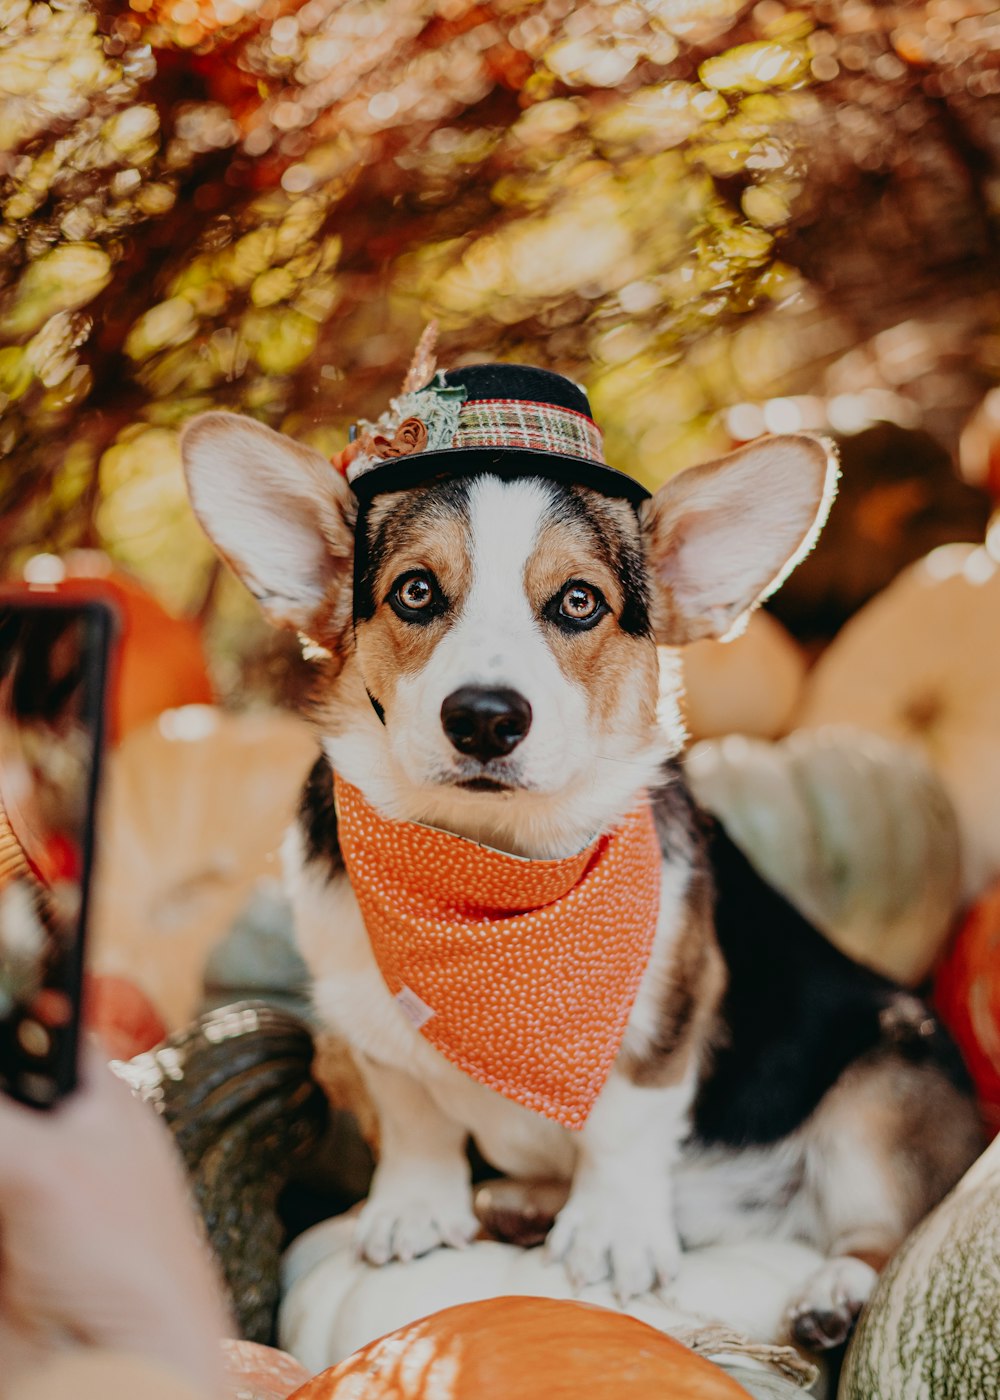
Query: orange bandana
[{"x": 521, "y": 972}]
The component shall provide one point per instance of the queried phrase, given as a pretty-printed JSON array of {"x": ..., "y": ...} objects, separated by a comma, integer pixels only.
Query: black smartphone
[{"x": 54, "y": 658}]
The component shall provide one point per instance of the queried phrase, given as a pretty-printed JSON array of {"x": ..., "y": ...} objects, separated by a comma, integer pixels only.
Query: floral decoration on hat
[
  {"x": 417, "y": 419},
  {"x": 410, "y": 436},
  {"x": 424, "y": 421}
]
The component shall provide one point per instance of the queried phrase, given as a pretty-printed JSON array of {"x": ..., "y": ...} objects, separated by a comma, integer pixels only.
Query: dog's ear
[
  {"x": 277, "y": 511},
  {"x": 721, "y": 537}
]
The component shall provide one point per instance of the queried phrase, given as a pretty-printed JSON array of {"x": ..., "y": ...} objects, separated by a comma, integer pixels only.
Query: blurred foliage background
[{"x": 723, "y": 218}]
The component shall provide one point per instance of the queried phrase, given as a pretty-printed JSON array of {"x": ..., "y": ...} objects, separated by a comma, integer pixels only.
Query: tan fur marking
[
  {"x": 332, "y": 626},
  {"x": 336, "y": 1073},
  {"x": 887, "y": 1112},
  {"x": 437, "y": 541},
  {"x": 695, "y": 981},
  {"x": 619, "y": 672}
]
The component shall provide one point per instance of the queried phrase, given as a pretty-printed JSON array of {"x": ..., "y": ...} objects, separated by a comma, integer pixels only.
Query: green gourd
[{"x": 932, "y": 1328}]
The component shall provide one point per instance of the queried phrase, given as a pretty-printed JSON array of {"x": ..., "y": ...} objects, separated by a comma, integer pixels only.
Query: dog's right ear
[
  {"x": 720, "y": 538},
  {"x": 279, "y": 514}
]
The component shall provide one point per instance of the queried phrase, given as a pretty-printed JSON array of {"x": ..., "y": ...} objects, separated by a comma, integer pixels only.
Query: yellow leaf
[
  {"x": 765, "y": 206},
  {"x": 279, "y": 340},
  {"x": 132, "y": 127},
  {"x": 753, "y": 67},
  {"x": 15, "y": 372},
  {"x": 277, "y": 284},
  {"x": 61, "y": 280},
  {"x": 170, "y": 323}
]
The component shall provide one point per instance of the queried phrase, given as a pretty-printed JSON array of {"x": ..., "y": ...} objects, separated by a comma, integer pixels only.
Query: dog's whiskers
[{"x": 624, "y": 762}]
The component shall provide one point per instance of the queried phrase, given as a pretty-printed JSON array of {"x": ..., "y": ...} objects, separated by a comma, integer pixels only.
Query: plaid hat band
[
  {"x": 487, "y": 423},
  {"x": 540, "y": 427}
]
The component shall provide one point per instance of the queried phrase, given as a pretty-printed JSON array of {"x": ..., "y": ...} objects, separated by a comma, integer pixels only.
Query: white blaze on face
[{"x": 497, "y": 641}]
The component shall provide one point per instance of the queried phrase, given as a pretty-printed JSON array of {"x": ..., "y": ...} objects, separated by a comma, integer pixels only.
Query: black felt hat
[{"x": 507, "y": 420}]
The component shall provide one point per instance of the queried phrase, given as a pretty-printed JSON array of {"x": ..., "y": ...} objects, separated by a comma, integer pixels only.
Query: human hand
[{"x": 98, "y": 1244}]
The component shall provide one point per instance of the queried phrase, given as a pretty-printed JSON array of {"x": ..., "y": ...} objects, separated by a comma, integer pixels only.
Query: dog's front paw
[
  {"x": 623, "y": 1241},
  {"x": 824, "y": 1313},
  {"x": 394, "y": 1225}
]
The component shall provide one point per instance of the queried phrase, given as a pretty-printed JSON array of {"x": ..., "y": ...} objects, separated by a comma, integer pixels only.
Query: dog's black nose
[{"x": 485, "y": 723}]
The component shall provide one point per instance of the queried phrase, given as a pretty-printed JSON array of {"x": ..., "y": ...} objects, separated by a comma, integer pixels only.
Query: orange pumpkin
[
  {"x": 159, "y": 660},
  {"x": 524, "y": 1349},
  {"x": 967, "y": 995},
  {"x": 255, "y": 1372},
  {"x": 195, "y": 805}
]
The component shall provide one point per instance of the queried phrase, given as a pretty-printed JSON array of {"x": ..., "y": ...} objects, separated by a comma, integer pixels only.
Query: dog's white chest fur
[{"x": 352, "y": 998}]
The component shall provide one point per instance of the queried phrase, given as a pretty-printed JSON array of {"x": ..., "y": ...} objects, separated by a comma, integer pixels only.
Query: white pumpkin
[
  {"x": 921, "y": 664},
  {"x": 333, "y": 1303},
  {"x": 855, "y": 830},
  {"x": 750, "y": 685},
  {"x": 932, "y": 1328},
  {"x": 194, "y": 811}
]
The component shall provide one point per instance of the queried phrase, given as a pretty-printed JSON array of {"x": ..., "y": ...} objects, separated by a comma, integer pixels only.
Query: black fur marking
[
  {"x": 377, "y": 705},
  {"x": 681, "y": 825},
  {"x": 631, "y": 570},
  {"x": 373, "y": 545},
  {"x": 318, "y": 819},
  {"x": 796, "y": 1013},
  {"x": 623, "y": 556}
]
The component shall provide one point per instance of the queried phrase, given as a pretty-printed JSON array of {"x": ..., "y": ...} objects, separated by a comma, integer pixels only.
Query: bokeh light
[{"x": 723, "y": 218}]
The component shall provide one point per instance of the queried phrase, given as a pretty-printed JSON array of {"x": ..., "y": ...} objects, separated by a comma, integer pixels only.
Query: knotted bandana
[{"x": 521, "y": 972}]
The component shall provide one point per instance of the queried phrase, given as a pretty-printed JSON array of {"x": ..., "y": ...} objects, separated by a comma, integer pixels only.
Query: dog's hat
[{"x": 508, "y": 420}]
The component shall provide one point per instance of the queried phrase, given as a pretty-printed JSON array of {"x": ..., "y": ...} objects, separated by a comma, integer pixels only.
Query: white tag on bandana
[{"x": 417, "y": 1012}]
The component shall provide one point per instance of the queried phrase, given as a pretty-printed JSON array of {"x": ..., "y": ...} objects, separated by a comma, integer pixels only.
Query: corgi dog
[{"x": 491, "y": 608}]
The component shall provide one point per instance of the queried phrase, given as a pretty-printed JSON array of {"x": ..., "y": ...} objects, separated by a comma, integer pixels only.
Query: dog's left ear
[
  {"x": 722, "y": 537},
  {"x": 279, "y": 514}
]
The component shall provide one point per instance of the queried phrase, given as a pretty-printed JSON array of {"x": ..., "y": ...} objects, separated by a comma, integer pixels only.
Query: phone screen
[{"x": 53, "y": 664}]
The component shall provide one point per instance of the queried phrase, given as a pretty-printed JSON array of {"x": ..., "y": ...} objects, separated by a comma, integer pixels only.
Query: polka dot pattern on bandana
[{"x": 521, "y": 972}]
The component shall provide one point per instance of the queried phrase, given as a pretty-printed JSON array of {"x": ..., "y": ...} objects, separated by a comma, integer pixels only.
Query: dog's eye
[
  {"x": 415, "y": 597},
  {"x": 415, "y": 593},
  {"x": 576, "y": 607},
  {"x": 579, "y": 602}
]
